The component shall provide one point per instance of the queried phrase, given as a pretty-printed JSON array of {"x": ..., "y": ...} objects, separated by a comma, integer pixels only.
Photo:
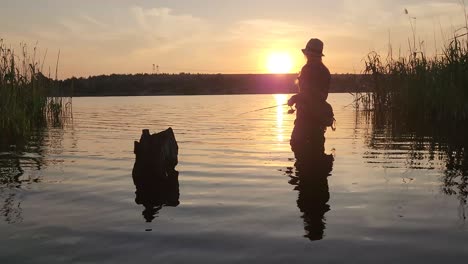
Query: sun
[{"x": 279, "y": 63}]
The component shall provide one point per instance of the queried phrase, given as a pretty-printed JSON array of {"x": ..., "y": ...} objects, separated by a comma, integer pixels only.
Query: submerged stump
[
  {"x": 154, "y": 174},
  {"x": 156, "y": 155}
]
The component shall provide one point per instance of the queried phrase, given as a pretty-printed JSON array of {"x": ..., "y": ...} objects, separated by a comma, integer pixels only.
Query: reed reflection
[
  {"x": 420, "y": 146},
  {"x": 310, "y": 178},
  {"x": 18, "y": 155},
  {"x": 22, "y": 155}
]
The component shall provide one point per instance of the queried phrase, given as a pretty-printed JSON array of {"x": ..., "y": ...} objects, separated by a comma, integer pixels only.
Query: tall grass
[
  {"x": 28, "y": 99},
  {"x": 419, "y": 88},
  {"x": 424, "y": 99}
]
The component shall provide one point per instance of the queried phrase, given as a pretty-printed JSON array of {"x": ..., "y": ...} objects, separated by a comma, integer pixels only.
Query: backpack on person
[
  {"x": 327, "y": 117},
  {"x": 321, "y": 112}
]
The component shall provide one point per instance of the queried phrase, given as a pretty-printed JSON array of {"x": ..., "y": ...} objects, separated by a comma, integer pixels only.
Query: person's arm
[
  {"x": 297, "y": 98},
  {"x": 292, "y": 100}
]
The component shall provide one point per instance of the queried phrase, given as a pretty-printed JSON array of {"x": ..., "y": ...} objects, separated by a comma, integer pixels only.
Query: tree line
[{"x": 194, "y": 84}]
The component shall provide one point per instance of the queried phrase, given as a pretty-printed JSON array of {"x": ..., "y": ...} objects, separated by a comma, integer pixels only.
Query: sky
[{"x": 219, "y": 36}]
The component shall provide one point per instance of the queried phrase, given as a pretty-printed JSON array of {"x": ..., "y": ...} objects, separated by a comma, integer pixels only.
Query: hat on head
[{"x": 314, "y": 48}]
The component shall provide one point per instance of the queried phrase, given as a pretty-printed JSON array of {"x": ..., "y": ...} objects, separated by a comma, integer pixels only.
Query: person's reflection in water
[
  {"x": 313, "y": 167},
  {"x": 154, "y": 193}
]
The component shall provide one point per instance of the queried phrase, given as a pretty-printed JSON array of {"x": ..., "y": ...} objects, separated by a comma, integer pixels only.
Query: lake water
[{"x": 70, "y": 198}]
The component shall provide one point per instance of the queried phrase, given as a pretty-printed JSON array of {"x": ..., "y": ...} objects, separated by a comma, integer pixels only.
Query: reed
[
  {"x": 28, "y": 99},
  {"x": 423, "y": 99},
  {"x": 417, "y": 88}
]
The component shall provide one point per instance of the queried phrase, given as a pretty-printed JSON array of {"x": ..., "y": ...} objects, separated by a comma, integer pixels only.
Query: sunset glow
[
  {"x": 279, "y": 63},
  {"x": 128, "y": 37}
]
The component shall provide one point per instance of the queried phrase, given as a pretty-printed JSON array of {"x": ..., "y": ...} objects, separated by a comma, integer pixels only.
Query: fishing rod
[{"x": 270, "y": 107}]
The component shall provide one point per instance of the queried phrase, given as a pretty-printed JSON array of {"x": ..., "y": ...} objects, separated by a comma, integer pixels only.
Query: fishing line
[
  {"x": 261, "y": 109},
  {"x": 290, "y": 111}
]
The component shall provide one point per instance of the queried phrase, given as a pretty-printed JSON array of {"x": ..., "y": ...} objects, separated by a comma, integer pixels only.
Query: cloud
[
  {"x": 94, "y": 21},
  {"x": 268, "y": 33},
  {"x": 266, "y": 27},
  {"x": 124, "y": 38},
  {"x": 160, "y": 26},
  {"x": 135, "y": 27}
]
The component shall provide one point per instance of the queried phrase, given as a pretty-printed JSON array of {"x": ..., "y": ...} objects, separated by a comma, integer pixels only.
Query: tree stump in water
[
  {"x": 154, "y": 174},
  {"x": 156, "y": 155}
]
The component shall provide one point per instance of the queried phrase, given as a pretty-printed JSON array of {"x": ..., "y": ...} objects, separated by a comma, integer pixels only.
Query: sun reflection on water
[{"x": 281, "y": 99}]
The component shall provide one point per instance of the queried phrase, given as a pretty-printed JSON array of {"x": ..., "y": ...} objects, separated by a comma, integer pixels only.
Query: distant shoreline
[
  {"x": 195, "y": 84},
  {"x": 168, "y": 95}
]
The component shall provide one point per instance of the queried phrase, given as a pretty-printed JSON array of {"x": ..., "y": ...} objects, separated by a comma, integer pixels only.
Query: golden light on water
[
  {"x": 280, "y": 99},
  {"x": 279, "y": 63}
]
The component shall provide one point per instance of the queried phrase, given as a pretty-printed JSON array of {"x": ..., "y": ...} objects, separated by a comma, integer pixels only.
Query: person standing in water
[{"x": 312, "y": 108}]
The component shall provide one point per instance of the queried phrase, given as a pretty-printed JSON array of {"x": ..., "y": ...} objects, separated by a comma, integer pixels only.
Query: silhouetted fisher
[
  {"x": 314, "y": 114},
  {"x": 154, "y": 174}
]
